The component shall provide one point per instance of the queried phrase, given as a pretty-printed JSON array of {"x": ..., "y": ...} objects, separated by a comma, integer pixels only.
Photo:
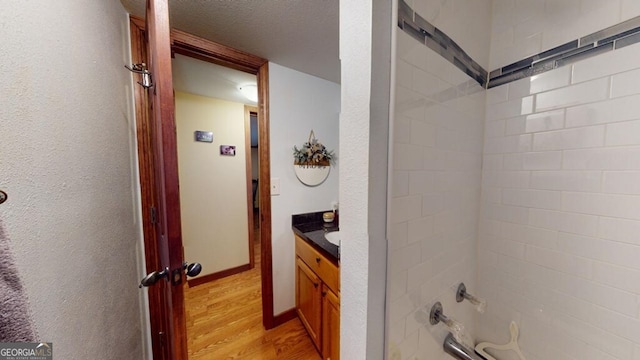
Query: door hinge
[{"x": 154, "y": 216}]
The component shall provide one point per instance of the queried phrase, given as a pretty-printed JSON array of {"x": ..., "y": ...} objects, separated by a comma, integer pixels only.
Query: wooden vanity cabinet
[
  {"x": 309, "y": 300},
  {"x": 318, "y": 298},
  {"x": 330, "y": 324}
]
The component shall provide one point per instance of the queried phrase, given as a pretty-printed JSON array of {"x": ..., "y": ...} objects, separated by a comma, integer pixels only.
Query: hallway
[{"x": 224, "y": 321}]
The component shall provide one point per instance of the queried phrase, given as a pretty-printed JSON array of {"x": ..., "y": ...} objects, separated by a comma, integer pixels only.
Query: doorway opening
[{"x": 189, "y": 45}]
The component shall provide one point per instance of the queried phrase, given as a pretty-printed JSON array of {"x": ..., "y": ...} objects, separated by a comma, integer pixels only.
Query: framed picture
[
  {"x": 204, "y": 136},
  {"x": 228, "y": 150}
]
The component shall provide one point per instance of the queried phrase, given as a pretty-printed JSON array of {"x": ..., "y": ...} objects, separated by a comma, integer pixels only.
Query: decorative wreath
[{"x": 312, "y": 153}]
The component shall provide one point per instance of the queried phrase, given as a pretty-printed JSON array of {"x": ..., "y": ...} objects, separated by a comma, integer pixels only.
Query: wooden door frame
[
  {"x": 193, "y": 46},
  {"x": 249, "y": 169}
]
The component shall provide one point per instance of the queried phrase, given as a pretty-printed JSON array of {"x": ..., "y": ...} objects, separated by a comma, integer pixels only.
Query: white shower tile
[
  {"x": 602, "y": 159},
  {"x": 404, "y": 258},
  {"x": 497, "y": 94},
  {"x": 420, "y": 182},
  {"x": 587, "y": 181},
  {"x": 621, "y": 109},
  {"x": 422, "y": 133},
  {"x": 510, "y": 108},
  {"x": 559, "y": 261},
  {"x": 397, "y": 235},
  {"x": 546, "y": 160},
  {"x": 515, "y": 126},
  {"x": 405, "y": 208},
  {"x": 625, "y": 84},
  {"x": 585, "y": 137},
  {"x": 401, "y": 130},
  {"x": 619, "y": 230},
  {"x": 622, "y": 182},
  {"x": 432, "y": 204},
  {"x": 494, "y": 129},
  {"x": 400, "y": 183},
  {"x": 630, "y": 8},
  {"x": 550, "y": 80},
  {"x": 591, "y": 91},
  {"x": 404, "y": 74},
  {"x": 397, "y": 284},
  {"x": 610, "y": 63},
  {"x": 622, "y": 206},
  {"x": 407, "y": 157},
  {"x": 601, "y": 345},
  {"x": 419, "y": 275},
  {"x": 539, "y": 199},
  {"x": 616, "y": 276},
  {"x": 624, "y": 133},
  {"x": 420, "y": 229},
  {"x": 545, "y": 121}
]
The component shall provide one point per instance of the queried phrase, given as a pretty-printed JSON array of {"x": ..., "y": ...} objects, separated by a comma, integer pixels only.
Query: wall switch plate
[{"x": 275, "y": 186}]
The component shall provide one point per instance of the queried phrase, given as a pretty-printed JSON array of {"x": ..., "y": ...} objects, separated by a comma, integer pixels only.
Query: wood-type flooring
[{"x": 224, "y": 322}]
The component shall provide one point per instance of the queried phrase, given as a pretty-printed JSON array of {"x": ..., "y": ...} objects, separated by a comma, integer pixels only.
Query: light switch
[{"x": 275, "y": 186}]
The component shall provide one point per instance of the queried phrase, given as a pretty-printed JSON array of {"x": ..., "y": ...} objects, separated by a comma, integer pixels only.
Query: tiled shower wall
[
  {"x": 521, "y": 28},
  {"x": 558, "y": 250},
  {"x": 436, "y": 165},
  {"x": 559, "y": 246}
]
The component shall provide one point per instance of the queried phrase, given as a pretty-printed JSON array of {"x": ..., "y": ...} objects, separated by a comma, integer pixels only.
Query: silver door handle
[{"x": 153, "y": 277}]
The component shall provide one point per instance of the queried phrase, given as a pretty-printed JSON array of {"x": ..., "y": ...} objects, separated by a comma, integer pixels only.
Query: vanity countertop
[{"x": 311, "y": 228}]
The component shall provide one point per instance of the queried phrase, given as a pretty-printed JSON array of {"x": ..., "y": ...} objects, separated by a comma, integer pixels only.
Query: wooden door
[
  {"x": 330, "y": 324},
  {"x": 309, "y": 300},
  {"x": 168, "y": 314}
]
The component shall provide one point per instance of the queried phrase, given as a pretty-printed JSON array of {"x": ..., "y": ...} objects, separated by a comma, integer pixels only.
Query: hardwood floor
[{"x": 224, "y": 321}]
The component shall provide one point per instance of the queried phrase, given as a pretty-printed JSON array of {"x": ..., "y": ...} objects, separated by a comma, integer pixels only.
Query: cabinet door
[
  {"x": 309, "y": 300},
  {"x": 330, "y": 324}
]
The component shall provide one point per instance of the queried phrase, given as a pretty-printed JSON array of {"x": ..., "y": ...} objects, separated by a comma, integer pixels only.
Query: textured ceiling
[
  {"x": 211, "y": 80},
  {"x": 299, "y": 34}
]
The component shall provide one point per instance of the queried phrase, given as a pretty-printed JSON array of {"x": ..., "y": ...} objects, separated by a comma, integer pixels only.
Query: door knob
[
  {"x": 153, "y": 277},
  {"x": 192, "y": 269}
]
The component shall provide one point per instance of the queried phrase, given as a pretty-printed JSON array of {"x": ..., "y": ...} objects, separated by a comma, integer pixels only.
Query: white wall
[
  {"x": 213, "y": 188},
  {"x": 67, "y": 141},
  {"x": 298, "y": 103},
  {"x": 558, "y": 240},
  {"x": 355, "y": 56}
]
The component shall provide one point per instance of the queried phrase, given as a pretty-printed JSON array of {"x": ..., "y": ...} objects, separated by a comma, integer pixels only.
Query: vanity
[{"x": 318, "y": 281}]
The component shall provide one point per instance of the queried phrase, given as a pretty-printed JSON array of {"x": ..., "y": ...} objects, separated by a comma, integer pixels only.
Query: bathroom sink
[{"x": 333, "y": 237}]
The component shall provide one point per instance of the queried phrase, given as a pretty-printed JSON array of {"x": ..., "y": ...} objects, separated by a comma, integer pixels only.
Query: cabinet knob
[
  {"x": 315, "y": 285},
  {"x": 318, "y": 259},
  {"x": 324, "y": 293}
]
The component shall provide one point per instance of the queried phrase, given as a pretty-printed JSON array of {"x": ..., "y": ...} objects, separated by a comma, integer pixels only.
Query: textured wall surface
[
  {"x": 298, "y": 104},
  {"x": 66, "y": 145},
  {"x": 355, "y": 55},
  {"x": 559, "y": 244}
]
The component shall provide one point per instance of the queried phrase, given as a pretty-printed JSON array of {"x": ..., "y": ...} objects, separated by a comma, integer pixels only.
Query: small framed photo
[
  {"x": 228, "y": 150},
  {"x": 204, "y": 136}
]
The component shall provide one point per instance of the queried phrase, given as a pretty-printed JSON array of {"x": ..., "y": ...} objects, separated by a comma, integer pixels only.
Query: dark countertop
[{"x": 311, "y": 227}]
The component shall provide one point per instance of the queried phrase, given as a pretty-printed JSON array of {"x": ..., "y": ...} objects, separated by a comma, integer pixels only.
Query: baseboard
[
  {"x": 219, "y": 275},
  {"x": 285, "y": 316}
]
